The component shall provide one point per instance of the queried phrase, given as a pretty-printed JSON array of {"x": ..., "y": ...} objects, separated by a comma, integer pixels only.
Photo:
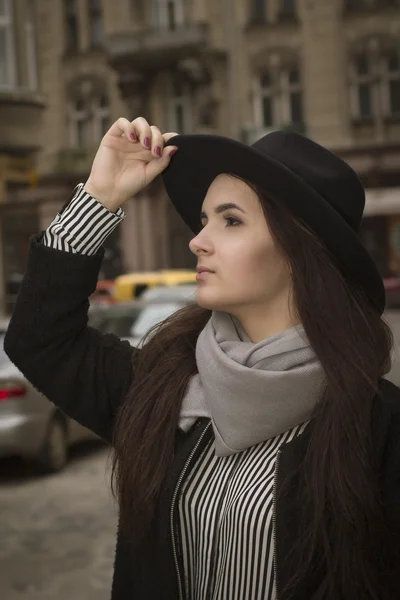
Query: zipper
[
  {"x": 181, "y": 476},
  {"x": 274, "y": 519}
]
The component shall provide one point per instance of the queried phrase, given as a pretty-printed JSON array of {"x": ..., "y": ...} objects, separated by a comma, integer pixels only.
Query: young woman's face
[{"x": 235, "y": 244}]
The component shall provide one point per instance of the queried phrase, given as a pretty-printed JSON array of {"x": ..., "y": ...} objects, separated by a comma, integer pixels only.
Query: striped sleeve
[{"x": 82, "y": 225}]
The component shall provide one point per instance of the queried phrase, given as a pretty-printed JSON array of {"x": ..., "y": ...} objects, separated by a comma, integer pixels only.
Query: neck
[{"x": 261, "y": 322}]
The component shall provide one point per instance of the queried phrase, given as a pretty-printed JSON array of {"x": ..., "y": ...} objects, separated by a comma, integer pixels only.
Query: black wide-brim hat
[{"x": 313, "y": 183}]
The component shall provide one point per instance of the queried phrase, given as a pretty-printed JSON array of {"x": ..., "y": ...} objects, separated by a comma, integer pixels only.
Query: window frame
[
  {"x": 92, "y": 114},
  {"x": 74, "y": 117},
  {"x": 357, "y": 79},
  {"x": 378, "y": 78},
  {"x": 285, "y": 12},
  {"x": 257, "y": 15},
  {"x": 279, "y": 91},
  {"x": 70, "y": 16},
  {"x": 175, "y": 101},
  {"x": 98, "y": 114},
  {"x": 31, "y": 49},
  {"x": 386, "y": 77},
  {"x": 7, "y": 24},
  {"x": 95, "y": 12},
  {"x": 160, "y": 14}
]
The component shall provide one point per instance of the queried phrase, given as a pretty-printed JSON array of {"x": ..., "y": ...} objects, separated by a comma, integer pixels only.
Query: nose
[{"x": 200, "y": 244}]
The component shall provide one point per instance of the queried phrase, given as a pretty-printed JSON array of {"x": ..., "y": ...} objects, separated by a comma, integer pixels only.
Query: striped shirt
[
  {"x": 82, "y": 225},
  {"x": 226, "y": 504},
  {"x": 226, "y": 523}
]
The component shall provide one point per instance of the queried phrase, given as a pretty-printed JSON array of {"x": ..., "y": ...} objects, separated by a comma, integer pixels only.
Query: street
[{"x": 57, "y": 532}]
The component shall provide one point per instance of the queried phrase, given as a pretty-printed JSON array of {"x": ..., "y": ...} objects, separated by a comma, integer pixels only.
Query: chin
[{"x": 210, "y": 300}]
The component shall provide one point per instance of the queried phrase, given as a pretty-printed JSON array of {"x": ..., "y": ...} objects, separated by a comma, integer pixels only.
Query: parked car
[
  {"x": 30, "y": 426},
  {"x": 132, "y": 320},
  {"x": 158, "y": 304},
  {"x": 116, "y": 318}
]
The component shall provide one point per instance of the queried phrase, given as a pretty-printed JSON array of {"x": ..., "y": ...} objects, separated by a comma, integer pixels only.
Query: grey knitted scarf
[{"x": 251, "y": 392}]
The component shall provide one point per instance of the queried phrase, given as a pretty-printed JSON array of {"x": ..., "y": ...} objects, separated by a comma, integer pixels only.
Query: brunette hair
[{"x": 341, "y": 496}]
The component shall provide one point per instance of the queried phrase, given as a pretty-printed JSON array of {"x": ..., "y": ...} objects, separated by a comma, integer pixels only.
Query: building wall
[{"x": 204, "y": 76}]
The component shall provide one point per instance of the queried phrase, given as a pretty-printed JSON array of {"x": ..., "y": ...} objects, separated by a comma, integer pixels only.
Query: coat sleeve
[
  {"x": 390, "y": 481},
  {"x": 85, "y": 373}
]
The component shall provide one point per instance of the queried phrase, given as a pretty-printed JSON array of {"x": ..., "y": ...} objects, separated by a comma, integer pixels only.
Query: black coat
[{"x": 87, "y": 375}]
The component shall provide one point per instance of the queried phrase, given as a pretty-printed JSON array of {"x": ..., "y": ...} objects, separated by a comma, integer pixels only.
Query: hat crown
[{"x": 325, "y": 172}]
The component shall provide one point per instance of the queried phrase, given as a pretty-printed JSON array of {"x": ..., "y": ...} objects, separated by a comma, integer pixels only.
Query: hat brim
[{"x": 201, "y": 158}]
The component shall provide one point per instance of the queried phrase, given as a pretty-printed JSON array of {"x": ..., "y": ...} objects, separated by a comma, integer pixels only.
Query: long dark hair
[{"x": 353, "y": 344}]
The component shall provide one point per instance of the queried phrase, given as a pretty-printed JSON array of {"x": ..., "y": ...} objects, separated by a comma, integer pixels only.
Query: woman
[{"x": 256, "y": 445}]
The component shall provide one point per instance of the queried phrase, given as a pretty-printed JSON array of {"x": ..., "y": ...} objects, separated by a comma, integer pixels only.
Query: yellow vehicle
[
  {"x": 132, "y": 285},
  {"x": 178, "y": 276}
]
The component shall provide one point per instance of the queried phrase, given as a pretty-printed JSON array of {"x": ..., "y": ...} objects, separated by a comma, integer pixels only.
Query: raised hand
[{"x": 130, "y": 156}]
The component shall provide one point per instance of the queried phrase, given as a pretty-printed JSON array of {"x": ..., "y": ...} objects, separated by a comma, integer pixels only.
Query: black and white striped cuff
[{"x": 82, "y": 225}]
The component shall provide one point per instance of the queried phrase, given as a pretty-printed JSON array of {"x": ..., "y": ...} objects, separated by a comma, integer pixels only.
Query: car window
[
  {"x": 116, "y": 320},
  {"x": 152, "y": 315}
]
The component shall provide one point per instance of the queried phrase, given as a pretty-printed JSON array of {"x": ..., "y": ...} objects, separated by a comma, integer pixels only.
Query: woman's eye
[{"x": 232, "y": 222}]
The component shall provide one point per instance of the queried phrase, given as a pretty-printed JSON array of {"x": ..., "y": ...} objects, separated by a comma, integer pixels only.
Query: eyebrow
[{"x": 221, "y": 208}]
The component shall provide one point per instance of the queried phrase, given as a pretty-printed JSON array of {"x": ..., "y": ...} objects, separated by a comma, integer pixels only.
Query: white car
[
  {"x": 132, "y": 320},
  {"x": 30, "y": 426}
]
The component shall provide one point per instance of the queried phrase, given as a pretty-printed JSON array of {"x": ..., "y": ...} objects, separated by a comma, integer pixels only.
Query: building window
[
  {"x": 362, "y": 87},
  {"x": 266, "y": 100},
  {"x": 258, "y": 11},
  {"x": 287, "y": 8},
  {"x": 96, "y": 23},
  {"x": 71, "y": 26},
  {"x": 31, "y": 56},
  {"x": 391, "y": 84},
  {"x": 179, "y": 107},
  {"x": 101, "y": 117},
  {"x": 375, "y": 85},
  {"x": 79, "y": 124},
  {"x": 356, "y": 4},
  {"x": 89, "y": 120},
  {"x": 7, "y": 50},
  {"x": 168, "y": 14},
  {"x": 279, "y": 101}
]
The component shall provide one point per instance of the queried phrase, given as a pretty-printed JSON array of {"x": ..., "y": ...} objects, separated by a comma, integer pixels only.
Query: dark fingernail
[
  {"x": 133, "y": 137},
  {"x": 157, "y": 150},
  {"x": 147, "y": 142},
  {"x": 173, "y": 152}
]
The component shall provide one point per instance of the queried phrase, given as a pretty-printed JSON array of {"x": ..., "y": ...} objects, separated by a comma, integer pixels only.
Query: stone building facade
[{"x": 327, "y": 68}]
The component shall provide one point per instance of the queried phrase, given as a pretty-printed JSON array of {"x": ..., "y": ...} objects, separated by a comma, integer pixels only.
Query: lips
[{"x": 204, "y": 270}]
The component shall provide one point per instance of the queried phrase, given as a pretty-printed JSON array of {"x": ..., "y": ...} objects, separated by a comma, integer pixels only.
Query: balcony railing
[{"x": 155, "y": 47}]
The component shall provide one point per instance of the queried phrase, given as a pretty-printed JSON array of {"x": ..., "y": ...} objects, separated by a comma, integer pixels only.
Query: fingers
[
  {"x": 157, "y": 142},
  {"x": 121, "y": 127},
  {"x": 142, "y": 131},
  {"x": 139, "y": 131},
  {"x": 155, "y": 167}
]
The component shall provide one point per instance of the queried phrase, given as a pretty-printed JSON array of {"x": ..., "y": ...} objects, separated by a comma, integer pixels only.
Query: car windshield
[{"x": 152, "y": 315}]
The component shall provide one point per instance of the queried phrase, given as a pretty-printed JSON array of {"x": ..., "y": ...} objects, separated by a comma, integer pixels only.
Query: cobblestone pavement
[{"x": 57, "y": 533}]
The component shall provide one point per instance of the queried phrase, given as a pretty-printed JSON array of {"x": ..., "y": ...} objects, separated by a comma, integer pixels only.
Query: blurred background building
[{"x": 68, "y": 68}]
